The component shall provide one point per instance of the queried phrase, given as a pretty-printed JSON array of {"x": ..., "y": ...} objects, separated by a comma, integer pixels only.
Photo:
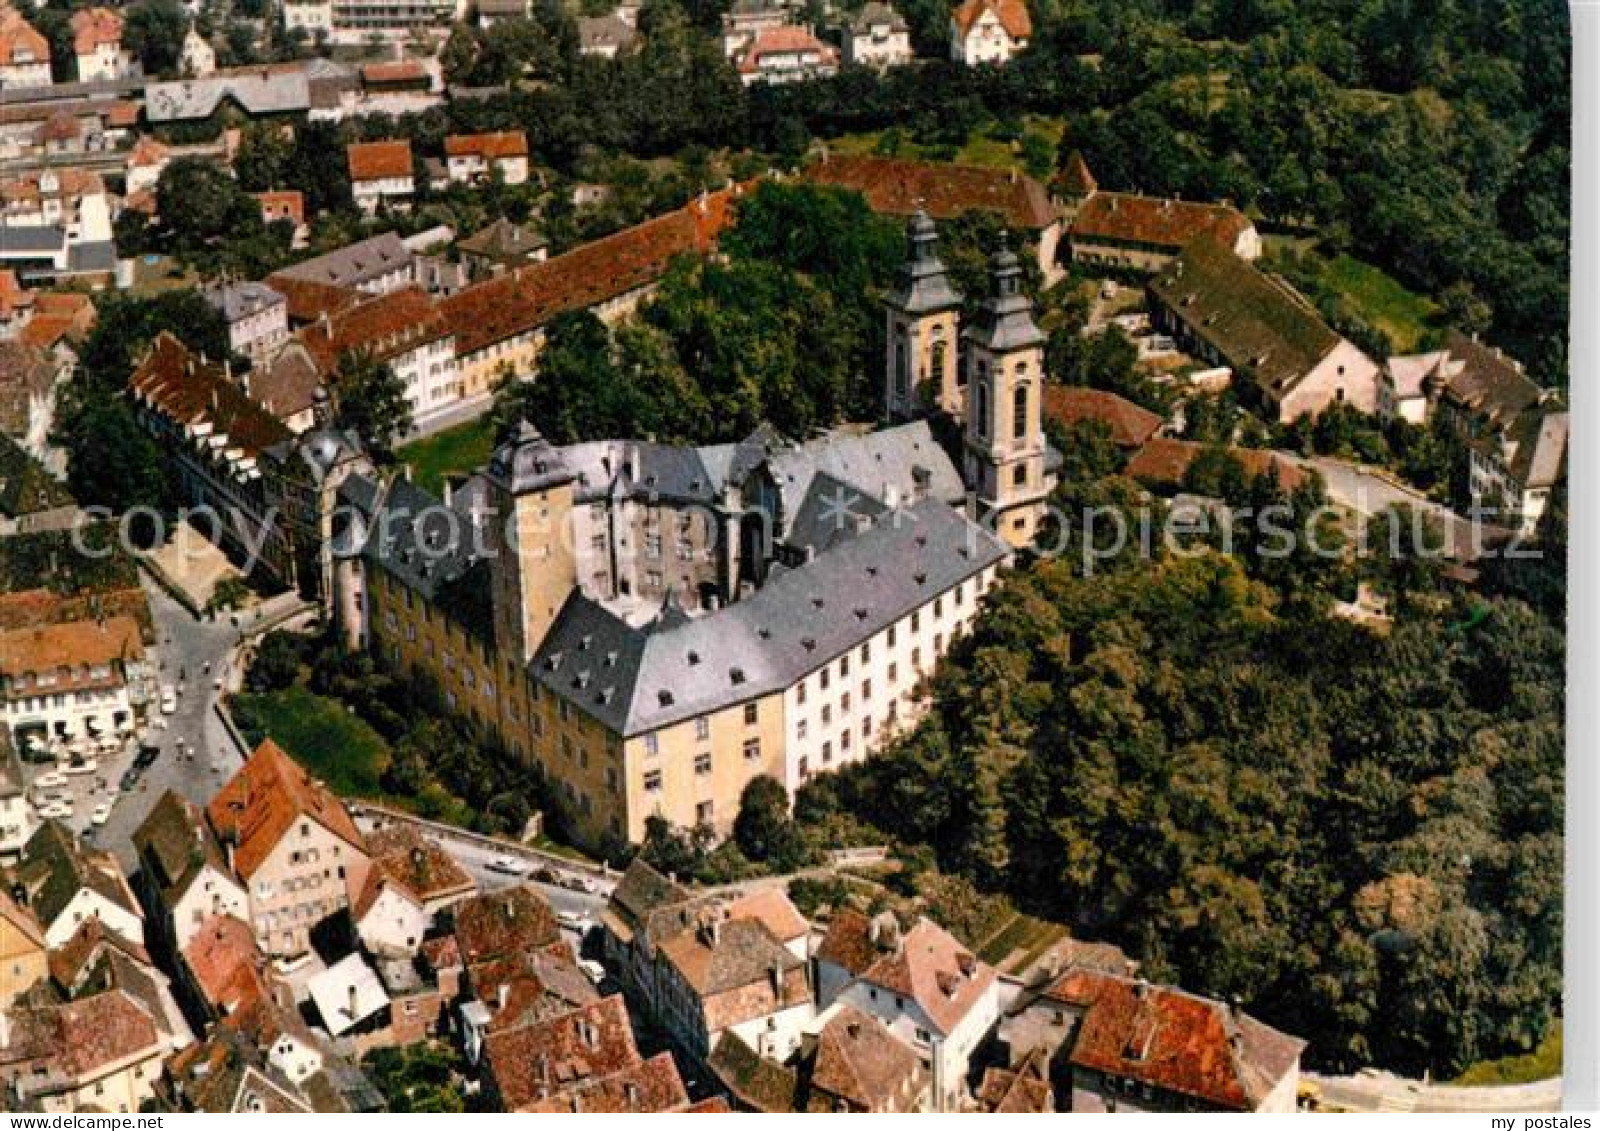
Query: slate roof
[
  {"x": 899, "y": 187},
  {"x": 1176, "y": 1041},
  {"x": 262, "y": 802},
  {"x": 875, "y": 14},
  {"x": 504, "y": 241},
  {"x": 257, "y": 91},
  {"x": 241, "y": 300},
  {"x": 353, "y": 265},
  {"x": 1130, "y": 424},
  {"x": 1484, "y": 381},
  {"x": 1254, "y": 321}
]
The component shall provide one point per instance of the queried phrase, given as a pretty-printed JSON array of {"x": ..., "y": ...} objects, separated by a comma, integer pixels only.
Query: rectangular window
[
  {"x": 844, "y": 666},
  {"x": 866, "y": 691},
  {"x": 702, "y": 763},
  {"x": 866, "y": 652},
  {"x": 800, "y": 692},
  {"x": 752, "y": 750},
  {"x": 652, "y": 744},
  {"x": 800, "y": 730},
  {"x": 827, "y": 753},
  {"x": 702, "y": 728},
  {"x": 702, "y": 813},
  {"x": 652, "y": 781},
  {"x": 752, "y": 712}
]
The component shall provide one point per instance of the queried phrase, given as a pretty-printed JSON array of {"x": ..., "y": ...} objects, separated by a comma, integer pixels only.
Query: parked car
[
  {"x": 129, "y": 779},
  {"x": 575, "y": 921},
  {"x": 87, "y": 766},
  {"x": 596, "y": 973},
  {"x": 52, "y": 780},
  {"x": 169, "y": 701},
  {"x": 508, "y": 866},
  {"x": 101, "y": 814}
]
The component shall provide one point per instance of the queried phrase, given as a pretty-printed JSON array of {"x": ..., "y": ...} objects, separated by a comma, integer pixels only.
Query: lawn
[
  {"x": 1540, "y": 1064},
  {"x": 1024, "y": 936},
  {"x": 320, "y": 734},
  {"x": 1381, "y": 300},
  {"x": 455, "y": 451},
  {"x": 981, "y": 148}
]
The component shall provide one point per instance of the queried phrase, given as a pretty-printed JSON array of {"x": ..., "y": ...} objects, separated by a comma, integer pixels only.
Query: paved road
[
  {"x": 1384, "y": 1092},
  {"x": 1367, "y": 493},
  {"x": 186, "y": 647}
]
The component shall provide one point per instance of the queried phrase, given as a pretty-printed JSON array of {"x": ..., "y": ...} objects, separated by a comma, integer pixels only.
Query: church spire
[{"x": 923, "y": 320}]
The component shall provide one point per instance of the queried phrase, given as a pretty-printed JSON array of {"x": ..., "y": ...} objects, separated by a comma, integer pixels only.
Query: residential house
[
  {"x": 1225, "y": 311},
  {"x": 221, "y": 969},
  {"x": 227, "y": 1074},
  {"x": 56, "y": 223},
  {"x": 31, "y": 500},
  {"x": 16, "y": 305},
  {"x": 145, "y": 163},
  {"x": 989, "y": 31},
  {"x": 606, "y": 36},
  {"x": 877, "y": 36},
  {"x": 491, "y": 12},
  {"x": 932, "y": 993},
  {"x": 183, "y": 877},
  {"x": 518, "y": 989},
  {"x": 293, "y": 846},
  {"x": 24, "y": 955},
  {"x": 493, "y": 925},
  {"x": 71, "y": 681},
  {"x": 649, "y": 1087},
  {"x": 100, "y": 1053},
  {"x": 24, "y": 53},
  {"x": 286, "y": 206},
  {"x": 198, "y": 58},
  {"x": 1024, "y": 1090},
  {"x": 1114, "y": 1043},
  {"x": 502, "y": 246},
  {"x": 29, "y": 379},
  {"x": 432, "y": 876},
  {"x": 472, "y": 158},
  {"x": 901, "y": 187},
  {"x": 746, "y": 19},
  {"x": 16, "y": 811},
  {"x": 1131, "y": 232},
  {"x": 786, "y": 54},
  {"x": 1515, "y": 473},
  {"x": 97, "y": 46},
  {"x": 97, "y": 960},
  {"x": 64, "y": 884},
  {"x": 257, "y": 317},
  {"x": 351, "y": 1002},
  {"x": 381, "y": 175}
]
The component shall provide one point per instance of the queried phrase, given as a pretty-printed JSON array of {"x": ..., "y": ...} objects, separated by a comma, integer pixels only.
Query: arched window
[
  {"x": 983, "y": 410},
  {"x": 1019, "y": 413}
]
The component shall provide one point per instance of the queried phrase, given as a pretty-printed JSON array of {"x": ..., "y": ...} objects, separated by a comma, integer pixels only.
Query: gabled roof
[
  {"x": 495, "y": 924},
  {"x": 417, "y": 864},
  {"x": 1022, "y": 1091},
  {"x": 897, "y": 186},
  {"x": 503, "y": 240},
  {"x": 86, "y": 1037},
  {"x": 227, "y": 1074},
  {"x": 785, "y": 40},
  {"x": 524, "y": 299},
  {"x": 1130, "y": 424},
  {"x": 384, "y": 326},
  {"x": 1164, "y": 462},
  {"x": 1074, "y": 177},
  {"x": 1156, "y": 221},
  {"x": 85, "y": 947},
  {"x": 379, "y": 160},
  {"x": 1484, "y": 381},
  {"x": 93, "y": 28},
  {"x": 55, "y": 866},
  {"x": 649, "y": 1087},
  {"x": 289, "y": 201},
  {"x": 177, "y": 843},
  {"x": 541, "y": 1060},
  {"x": 191, "y": 392},
  {"x": 609, "y": 30},
  {"x": 1012, "y": 14},
  {"x": 397, "y": 72},
  {"x": 20, "y": 917},
  {"x": 859, "y": 1060},
  {"x": 875, "y": 14},
  {"x": 17, "y": 38},
  {"x": 489, "y": 146},
  {"x": 1254, "y": 321},
  {"x": 931, "y": 968},
  {"x": 352, "y": 265},
  {"x": 226, "y": 964},
  {"x": 1176, "y": 1041},
  {"x": 756, "y": 1083},
  {"x": 265, "y": 799},
  {"x": 736, "y": 955},
  {"x": 527, "y": 986}
]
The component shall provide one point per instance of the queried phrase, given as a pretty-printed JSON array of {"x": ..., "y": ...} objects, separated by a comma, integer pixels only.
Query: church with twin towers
[{"x": 650, "y": 627}]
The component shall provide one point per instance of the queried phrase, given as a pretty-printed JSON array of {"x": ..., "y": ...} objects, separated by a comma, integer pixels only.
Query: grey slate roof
[
  {"x": 240, "y": 300},
  {"x": 354, "y": 265},
  {"x": 1005, "y": 320},
  {"x": 636, "y": 680},
  {"x": 99, "y": 255},
  {"x": 923, "y": 286},
  {"x": 16, "y": 239},
  {"x": 878, "y": 464},
  {"x": 256, "y": 92},
  {"x": 503, "y": 240},
  {"x": 876, "y": 14}
]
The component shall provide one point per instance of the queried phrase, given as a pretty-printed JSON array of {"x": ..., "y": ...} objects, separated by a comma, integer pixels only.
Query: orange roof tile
[
  {"x": 379, "y": 160},
  {"x": 1156, "y": 220},
  {"x": 93, "y": 28},
  {"x": 934, "y": 970},
  {"x": 177, "y": 384},
  {"x": 1013, "y": 16},
  {"x": 262, "y": 802},
  {"x": 281, "y": 203},
  {"x": 533, "y": 1063},
  {"x": 18, "y": 38},
  {"x": 1130, "y": 424},
  {"x": 399, "y": 71},
  {"x": 897, "y": 187},
  {"x": 1165, "y": 462},
  {"x": 522, "y": 300},
  {"x": 784, "y": 40},
  {"x": 490, "y": 146},
  {"x": 648, "y": 1087},
  {"x": 385, "y": 326},
  {"x": 47, "y": 648}
]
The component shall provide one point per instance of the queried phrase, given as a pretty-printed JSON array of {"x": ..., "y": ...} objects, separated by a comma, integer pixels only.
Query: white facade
[
  {"x": 469, "y": 168},
  {"x": 16, "y": 824},
  {"x": 948, "y": 1056},
  {"x": 211, "y": 892},
  {"x": 878, "y": 43},
  {"x": 394, "y": 923},
  {"x": 846, "y": 708},
  {"x": 25, "y": 72},
  {"x": 986, "y": 41},
  {"x": 309, "y": 16},
  {"x": 89, "y": 904},
  {"x": 199, "y": 59},
  {"x": 71, "y": 714},
  {"x": 395, "y": 192},
  {"x": 106, "y": 63},
  {"x": 430, "y": 377}
]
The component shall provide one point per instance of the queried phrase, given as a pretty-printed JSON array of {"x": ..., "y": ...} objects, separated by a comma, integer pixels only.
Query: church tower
[
  {"x": 923, "y": 315},
  {"x": 1006, "y": 457},
  {"x": 529, "y": 540}
]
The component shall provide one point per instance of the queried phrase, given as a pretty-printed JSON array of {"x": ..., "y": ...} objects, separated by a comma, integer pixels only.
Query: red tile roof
[
  {"x": 379, "y": 160},
  {"x": 649, "y": 1087},
  {"x": 60, "y": 126},
  {"x": 1130, "y": 424},
  {"x": 385, "y": 326},
  {"x": 859, "y": 1060},
  {"x": 1181, "y": 1043},
  {"x": 13, "y": 295},
  {"x": 524, "y": 299},
  {"x": 175, "y": 383},
  {"x": 18, "y": 37},
  {"x": 1155, "y": 220},
  {"x": 283, "y": 203},
  {"x": 147, "y": 151},
  {"x": 784, "y": 40},
  {"x": 402, "y": 71},
  {"x": 1164, "y": 462},
  {"x": 84, "y": 1038},
  {"x": 1074, "y": 177},
  {"x": 50, "y": 648},
  {"x": 897, "y": 187},
  {"x": 1013, "y": 16},
  {"x": 85, "y": 946},
  {"x": 92, "y": 27},
  {"x": 225, "y": 962},
  {"x": 122, "y": 114},
  {"x": 490, "y": 146},
  {"x": 538, "y": 1061},
  {"x": 262, "y": 802},
  {"x": 417, "y": 864},
  {"x": 308, "y": 299},
  {"x": 929, "y": 966},
  {"x": 499, "y": 923}
]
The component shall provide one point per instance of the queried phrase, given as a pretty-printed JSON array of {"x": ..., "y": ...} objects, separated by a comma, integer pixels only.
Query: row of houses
[
  {"x": 99, "y": 53},
  {"x": 383, "y": 173}
]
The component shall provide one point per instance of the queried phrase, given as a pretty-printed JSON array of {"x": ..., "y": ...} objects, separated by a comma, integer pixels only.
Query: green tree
[
  {"x": 153, "y": 31},
  {"x": 370, "y": 401},
  {"x": 763, "y": 830}
]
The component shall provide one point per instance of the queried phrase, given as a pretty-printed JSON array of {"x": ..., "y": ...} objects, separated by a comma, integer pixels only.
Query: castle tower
[
  {"x": 529, "y": 539},
  {"x": 1006, "y": 450},
  {"x": 1072, "y": 185},
  {"x": 923, "y": 315}
]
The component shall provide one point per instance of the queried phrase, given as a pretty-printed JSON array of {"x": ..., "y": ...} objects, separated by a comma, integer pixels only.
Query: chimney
[
  {"x": 631, "y": 1091},
  {"x": 351, "y": 992},
  {"x": 775, "y": 974},
  {"x": 502, "y": 996}
]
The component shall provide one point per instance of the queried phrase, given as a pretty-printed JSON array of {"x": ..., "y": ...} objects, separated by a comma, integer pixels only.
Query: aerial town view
[{"x": 783, "y": 555}]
